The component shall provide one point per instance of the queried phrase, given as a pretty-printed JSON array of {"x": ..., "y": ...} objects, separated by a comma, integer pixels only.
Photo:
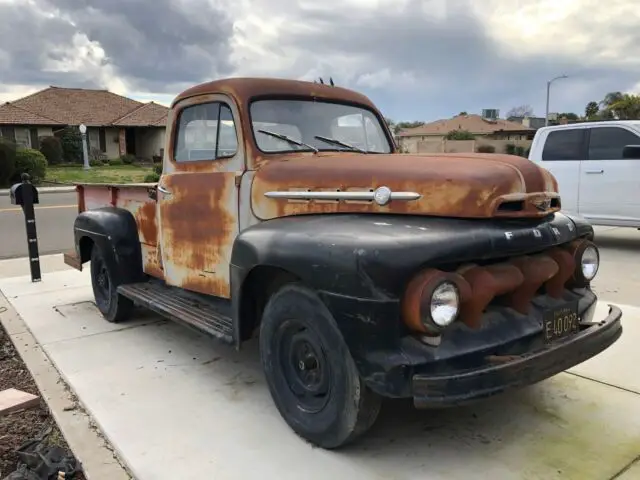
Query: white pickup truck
[{"x": 597, "y": 166}]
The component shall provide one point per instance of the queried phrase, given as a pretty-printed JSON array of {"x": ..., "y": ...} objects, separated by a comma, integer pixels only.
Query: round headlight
[
  {"x": 445, "y": 303},
  {"x": 590, "y": 262}
]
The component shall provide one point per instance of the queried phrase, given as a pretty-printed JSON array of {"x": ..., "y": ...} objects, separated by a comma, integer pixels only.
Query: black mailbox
[
  {"x": 20, "y": 191},
  {"x": 26, "y": 195}
]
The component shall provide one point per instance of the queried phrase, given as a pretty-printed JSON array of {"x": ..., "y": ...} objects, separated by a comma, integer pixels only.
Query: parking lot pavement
[{"x": 175, "y": 404}]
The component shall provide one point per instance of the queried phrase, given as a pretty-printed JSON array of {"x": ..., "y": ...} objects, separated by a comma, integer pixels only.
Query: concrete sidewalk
[{"x": 175, "y": 404}]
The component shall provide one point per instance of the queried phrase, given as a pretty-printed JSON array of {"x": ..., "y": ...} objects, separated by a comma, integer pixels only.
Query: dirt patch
[{"x": 18, "y": 427}]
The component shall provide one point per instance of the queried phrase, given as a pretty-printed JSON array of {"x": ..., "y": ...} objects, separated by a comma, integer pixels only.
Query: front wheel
[
  {"x": 113, "y": 306},
  {"x": 311, "y": 375}
]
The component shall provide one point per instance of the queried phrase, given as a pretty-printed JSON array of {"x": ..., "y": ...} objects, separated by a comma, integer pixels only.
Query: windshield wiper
[
  {"x": 338, "y": 142},
  {"x": 288, "y": 139}
]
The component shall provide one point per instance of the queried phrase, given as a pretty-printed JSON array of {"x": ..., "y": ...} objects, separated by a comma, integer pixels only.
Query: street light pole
[
  {"x": 85, "y": 149},
  {"x": 546, "y": 117}
]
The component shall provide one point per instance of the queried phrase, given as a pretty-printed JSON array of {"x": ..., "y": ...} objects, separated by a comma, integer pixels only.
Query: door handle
[
  {"x": 163, "y": 190},
  {"x": 595, "y": 171}
]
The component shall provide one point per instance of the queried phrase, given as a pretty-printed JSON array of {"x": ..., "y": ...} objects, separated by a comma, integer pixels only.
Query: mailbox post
[{"x": 26, "y": 195}]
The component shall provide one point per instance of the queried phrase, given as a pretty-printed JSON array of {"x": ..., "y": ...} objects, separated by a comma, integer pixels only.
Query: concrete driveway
[{"x": 175, "y": 404}]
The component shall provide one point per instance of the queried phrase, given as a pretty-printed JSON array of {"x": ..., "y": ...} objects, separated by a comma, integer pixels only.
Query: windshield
[{"x": 316, "y": 125}]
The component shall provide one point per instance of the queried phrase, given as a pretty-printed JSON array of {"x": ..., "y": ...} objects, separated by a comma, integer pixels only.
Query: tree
[
  {"x": 521, "y": 111},
  {"x": 462, "y": 113},
  {"x": 459, "y": 135},
  {"x": 569, "y": 116},
  {"x": 591, "y": 110},
  {"x": 625, "y": 107}
]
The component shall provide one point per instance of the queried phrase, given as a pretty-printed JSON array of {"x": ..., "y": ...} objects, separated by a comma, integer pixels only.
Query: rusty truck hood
[{"x": 454, "y": 185}]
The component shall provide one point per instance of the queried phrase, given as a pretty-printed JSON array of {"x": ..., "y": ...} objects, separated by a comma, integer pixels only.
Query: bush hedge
[
  {"x": 486, "y": 149},
  {"x": 32, "y": 162},
  {"x": 128, "y": 159},
  {"x": 152, "y": 178},
  {"x": 51, "y": 148}
]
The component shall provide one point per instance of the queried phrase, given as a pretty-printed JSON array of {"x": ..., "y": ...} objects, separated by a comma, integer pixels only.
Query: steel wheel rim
[{"x": 304, "y": 366}]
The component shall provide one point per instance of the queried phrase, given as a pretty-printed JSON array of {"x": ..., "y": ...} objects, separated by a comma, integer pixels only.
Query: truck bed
[{"x": 137, "y": 198}]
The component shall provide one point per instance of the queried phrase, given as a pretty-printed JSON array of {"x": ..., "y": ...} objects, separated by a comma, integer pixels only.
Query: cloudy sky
[{"x": 416, "y": 59}]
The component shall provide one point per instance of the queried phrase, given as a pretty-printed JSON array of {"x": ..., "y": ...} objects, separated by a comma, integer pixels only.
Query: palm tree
[{"x": 626, "y": 107}]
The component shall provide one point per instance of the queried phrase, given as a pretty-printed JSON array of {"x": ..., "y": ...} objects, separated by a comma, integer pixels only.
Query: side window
[
  {"x": 205, "y": 132},
  {"x": 606, "y": 143},
  {"x": 565, "y": 144}
]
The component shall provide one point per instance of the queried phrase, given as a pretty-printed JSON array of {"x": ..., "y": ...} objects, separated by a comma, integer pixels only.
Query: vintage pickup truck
[{"x": 284, "y": 210}]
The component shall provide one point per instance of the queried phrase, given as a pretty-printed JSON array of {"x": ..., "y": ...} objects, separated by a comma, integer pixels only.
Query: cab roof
[{"x": 244, "y": 89}]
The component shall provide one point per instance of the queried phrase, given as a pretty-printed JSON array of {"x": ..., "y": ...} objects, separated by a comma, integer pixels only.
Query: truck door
[
  {"x": 609, "y": 190},
  {"x": 561, "y": 154},
  {"x": 197, "y": 194}
]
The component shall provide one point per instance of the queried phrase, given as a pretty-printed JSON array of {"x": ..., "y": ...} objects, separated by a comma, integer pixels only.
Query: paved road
[{"x": 54, "y": 221}]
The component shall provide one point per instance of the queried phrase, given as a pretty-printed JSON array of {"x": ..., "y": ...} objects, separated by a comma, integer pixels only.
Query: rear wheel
[
  {"x": 311, "y": 375},
  {"x": 113, "y": 306}
]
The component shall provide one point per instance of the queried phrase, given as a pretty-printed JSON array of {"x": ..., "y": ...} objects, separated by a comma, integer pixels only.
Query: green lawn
[{"x": 105, "y": 174}]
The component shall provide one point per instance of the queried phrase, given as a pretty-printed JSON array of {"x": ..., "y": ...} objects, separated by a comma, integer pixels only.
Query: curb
[
  {"x": 87, "y": 443},
  {"x": 5, "y": 192}
]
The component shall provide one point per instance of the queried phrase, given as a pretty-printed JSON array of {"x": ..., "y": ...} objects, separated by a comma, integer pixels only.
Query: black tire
[
  {"x": 301, "y": 347},
  {"x": 114, "y": 307}
]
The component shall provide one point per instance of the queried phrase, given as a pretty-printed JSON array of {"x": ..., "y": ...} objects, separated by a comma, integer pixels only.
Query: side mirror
[{"x": 631, "y": 152}]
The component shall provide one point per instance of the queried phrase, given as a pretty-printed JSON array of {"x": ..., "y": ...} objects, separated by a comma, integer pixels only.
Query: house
[
  {"x": 531, "y": 122},
  {"x": 116, "y": 125},
  {"x": 498, "y": 132}
]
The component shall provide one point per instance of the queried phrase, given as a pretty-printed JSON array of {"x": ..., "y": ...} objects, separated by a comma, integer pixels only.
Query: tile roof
[
  {"x": 472, "y": 123},
  {"x": 94, "y": 108},
  {"x": 147, "y": 114},
  {"x": 12, "y": 115}
]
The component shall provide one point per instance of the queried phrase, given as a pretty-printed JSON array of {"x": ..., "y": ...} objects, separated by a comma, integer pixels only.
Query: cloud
[{"x": 417, "y": 59}]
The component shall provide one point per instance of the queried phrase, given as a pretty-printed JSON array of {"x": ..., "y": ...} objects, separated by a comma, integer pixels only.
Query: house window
[
  {"x": 35, "y": 142},
  {"x": 102, "y": 140},
  {"x": 23, "y": 138},
  {"x": 8, "y": 133},
  {"x": 205, "y": 132}
]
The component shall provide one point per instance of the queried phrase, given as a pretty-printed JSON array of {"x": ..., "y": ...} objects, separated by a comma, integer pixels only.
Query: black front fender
[{"x": 115, "y": 232}]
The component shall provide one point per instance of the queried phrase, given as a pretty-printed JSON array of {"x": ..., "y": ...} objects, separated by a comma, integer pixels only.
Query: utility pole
[{"x": 546, "y": 117}]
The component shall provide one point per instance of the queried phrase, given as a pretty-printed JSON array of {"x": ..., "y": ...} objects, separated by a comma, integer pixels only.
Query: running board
[{"x": 182, "y": 306}]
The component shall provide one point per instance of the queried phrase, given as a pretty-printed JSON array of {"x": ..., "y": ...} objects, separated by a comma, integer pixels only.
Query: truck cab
[
  {"x": 284, "y": 211},
  {"x": 597, "y": 165}
]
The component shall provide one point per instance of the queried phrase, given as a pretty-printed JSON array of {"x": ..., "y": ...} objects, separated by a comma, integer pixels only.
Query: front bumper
[{"x": 514, "y": 371}]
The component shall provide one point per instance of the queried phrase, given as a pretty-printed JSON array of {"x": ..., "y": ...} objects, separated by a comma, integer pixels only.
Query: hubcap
[
  {"x": 102, "y": 285},
  {"x": 304, "y": 367}
]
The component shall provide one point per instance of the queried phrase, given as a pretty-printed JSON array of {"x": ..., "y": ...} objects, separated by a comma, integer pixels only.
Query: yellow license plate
[{"x": 561, "y": 321}]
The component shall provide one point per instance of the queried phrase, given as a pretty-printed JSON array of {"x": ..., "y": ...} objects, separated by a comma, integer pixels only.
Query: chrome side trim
[{"x": 297, "y": 195}]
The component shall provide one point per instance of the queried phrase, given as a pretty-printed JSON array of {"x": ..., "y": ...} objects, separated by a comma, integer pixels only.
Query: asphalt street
[{"x": 54, "y": 223}]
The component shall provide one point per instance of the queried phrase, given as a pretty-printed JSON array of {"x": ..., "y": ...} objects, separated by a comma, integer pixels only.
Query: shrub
[
  {"x": 7, "y": 161},
  {"x": 459, "y": 135},
  {"x": 128, "y": 159},
  {"x": 95, "y": 163},
  {"x": 115, "y": 161},
  {"x": 71, "y": 141},
  {"x": 32, "y": 162},
  {"x": 51, "y": 148},
  {"x": 152, "y": 178},
  {"x": 486, "y": 149},
  {"x": 510, "y": 149},
  {"x": 158, "y": 169},
  {"x": 520, "y": 151}
]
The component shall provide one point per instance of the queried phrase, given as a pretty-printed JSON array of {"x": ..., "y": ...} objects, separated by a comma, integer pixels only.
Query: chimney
[{"x": 526, "y": 122}]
